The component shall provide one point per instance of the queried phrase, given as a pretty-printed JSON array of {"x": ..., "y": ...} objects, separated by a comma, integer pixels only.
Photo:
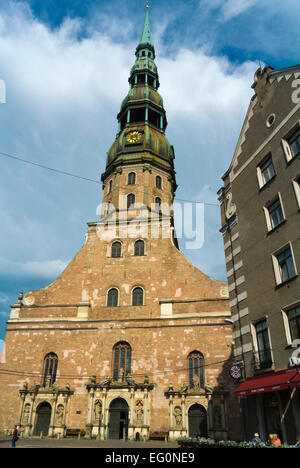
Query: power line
[{"x": 70, "y": 174}]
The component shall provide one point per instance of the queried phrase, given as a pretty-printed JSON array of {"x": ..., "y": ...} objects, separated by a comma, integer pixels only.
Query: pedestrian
[
  {"x": 275, "y": 440},
  {"x": 15, "y": 437},
  {"x": 256, "y": 439}
]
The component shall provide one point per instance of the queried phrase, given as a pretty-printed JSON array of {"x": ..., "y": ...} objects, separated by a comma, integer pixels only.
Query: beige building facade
[{"x": 260, "y": 208}]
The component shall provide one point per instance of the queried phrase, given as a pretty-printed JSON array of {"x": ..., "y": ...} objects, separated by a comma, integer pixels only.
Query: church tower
[
  {"x": 139, "y": 179},
  {"x": 131, "y": 338}
]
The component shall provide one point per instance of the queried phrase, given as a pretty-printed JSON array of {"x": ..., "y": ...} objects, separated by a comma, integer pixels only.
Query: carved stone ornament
[{"x": 230, "y": 206}]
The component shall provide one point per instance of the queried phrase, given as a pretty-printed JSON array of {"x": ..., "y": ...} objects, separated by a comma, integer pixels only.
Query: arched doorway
[
  {"x": 43, "y": 417},
  {"x": 118, "y": 419},
  {"x": 197, "y": 421}
]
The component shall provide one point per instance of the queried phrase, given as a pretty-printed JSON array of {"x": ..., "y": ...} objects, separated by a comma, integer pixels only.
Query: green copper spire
[{"x": 146, "y": 34}]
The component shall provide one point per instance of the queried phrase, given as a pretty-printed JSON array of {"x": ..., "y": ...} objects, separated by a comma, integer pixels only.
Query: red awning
[
  {"x": 270, "y": 382},
  {"x": 295, "y": 382}
]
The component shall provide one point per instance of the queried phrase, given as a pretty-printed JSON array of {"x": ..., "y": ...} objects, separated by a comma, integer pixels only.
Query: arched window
[
  {"x": 138, "y": 297},
  {"x": 131, "y": 178},
  {"x": 50, "y": 369},
  {"x": 196, "y": 370},
  {"x": 158, "y": 204},
  {"x": 116, "y": 249},
  {"x": 110, "y": 186},
  {"x": 130, "y": 200},
  {"x": 121, "y": 361},
  {"x": 158, "y": 182},
  {"x": 139, "y": 248},
  {"x": 113, "y": 298}
]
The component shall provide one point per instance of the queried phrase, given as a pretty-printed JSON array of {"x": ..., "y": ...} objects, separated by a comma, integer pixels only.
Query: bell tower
[{"x": 139, "y": 178}]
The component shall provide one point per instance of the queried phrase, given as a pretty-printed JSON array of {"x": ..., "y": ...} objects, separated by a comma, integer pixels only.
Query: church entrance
[
  {"x": 118, "y": 419},
  {"x": 43, "y": 415},
  {"x": 197, "y": 421}
]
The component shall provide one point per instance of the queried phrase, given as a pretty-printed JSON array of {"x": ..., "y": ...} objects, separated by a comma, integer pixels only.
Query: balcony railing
[{"x": 262, "y": 359}]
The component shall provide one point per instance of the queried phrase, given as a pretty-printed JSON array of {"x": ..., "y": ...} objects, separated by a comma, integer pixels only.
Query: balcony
[{"x": 262, "y": 360}]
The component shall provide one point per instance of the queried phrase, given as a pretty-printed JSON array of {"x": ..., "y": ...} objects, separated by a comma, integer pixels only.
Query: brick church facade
[{"x": 131, "y": 338}]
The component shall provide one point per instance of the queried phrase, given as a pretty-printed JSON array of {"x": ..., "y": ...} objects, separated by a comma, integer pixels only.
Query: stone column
[
  {"x": 145, "y": 407},
  {"x": 183, "y": 412},
  {"x": 171, "y": 411},
  {"x": 105, "y": 411},
  {"x": 22, "y": 409}
]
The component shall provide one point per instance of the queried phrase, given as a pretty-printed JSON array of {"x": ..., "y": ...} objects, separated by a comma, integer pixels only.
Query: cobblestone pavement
[{"x": 75, "y": 443}]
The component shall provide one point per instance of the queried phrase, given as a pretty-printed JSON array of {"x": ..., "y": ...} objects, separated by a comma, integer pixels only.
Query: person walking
[{"x": 15, "y": 437}]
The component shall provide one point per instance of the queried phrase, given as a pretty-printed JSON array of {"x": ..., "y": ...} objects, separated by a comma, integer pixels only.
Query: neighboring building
[
  {"x": 131, "y": 338},
  {"x": 260, "y": 207}
]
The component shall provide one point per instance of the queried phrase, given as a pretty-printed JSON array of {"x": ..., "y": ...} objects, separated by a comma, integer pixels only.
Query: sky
[{"x": 65, "y": 65}]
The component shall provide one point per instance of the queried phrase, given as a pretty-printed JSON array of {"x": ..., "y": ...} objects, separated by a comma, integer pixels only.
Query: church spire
[{"x": 146, "y": 34}]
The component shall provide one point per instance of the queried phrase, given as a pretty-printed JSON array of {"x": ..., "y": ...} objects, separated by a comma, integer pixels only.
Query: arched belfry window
[
  {"x": 158, "y": 204},
  {"x": 130, "y": 200},
  {"x": 196, "y": 370},
  {"x": 116, "y": 249},
  {"x": 121, "y": 361},
  {"x": 139, "y": 248},
  {"x": 138, "y": 296},
  {"x": 132, "y": 178},
  {"x": 50, "y": 369},
  {"x": 158, "y": 182},
  {"x": 113, "y": 298}
]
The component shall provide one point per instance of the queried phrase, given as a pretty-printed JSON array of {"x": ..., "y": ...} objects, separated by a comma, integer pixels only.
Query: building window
[
  {"x": 121, "y": 361},
  {"x": 131, "y": 178},
  {"x": 284, "y": 265},
  {"x": 113, "y": 298},
  {"x": 139, "y": 248},
  {"x": 110, "y": 186},
  {"x": 196, "y": 370},
  {"x": 265, "y": 172},
  {"x": 158, "y": 204},
  {"x": 296, "y": 184},
  {"x": 50, "y": 369},
  {"x": 274, "y": 214},
  {"x": 264, "y": 357},
  {"x": 291, "y": 145},
  {"x": 130, "y": 201},
  {"x": 116, "y": 249},
  {"x": 294, "y": 322},
  {"x": 138, "y": 297},
  {"x": 158, "y": 182}
]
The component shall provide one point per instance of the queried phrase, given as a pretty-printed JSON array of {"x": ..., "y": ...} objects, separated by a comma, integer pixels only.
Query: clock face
[{"x": 134, "y": 137}]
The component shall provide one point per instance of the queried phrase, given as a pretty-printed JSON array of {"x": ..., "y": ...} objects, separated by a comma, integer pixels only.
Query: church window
[
  {"x": 138, "y": 297},
  {"x": 116, "y": 249},
  {"x": 121, "y": 361},
  {"x": 158, "y": 182},
  {"x": 50, "y": 369},
  {"x": 131, "y": 178},
  {"x": 196, "y": 370},
  {"x": 158, "y": 204},
  {"x": 110, "y": 186},
  {"x": 139, "y": 248},
  {"x": 113, "y": 298},
  {"x": 130, "y": 200}
]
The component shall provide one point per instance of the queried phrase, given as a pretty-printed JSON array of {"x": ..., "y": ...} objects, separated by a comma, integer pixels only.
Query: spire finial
[{"x": 147, "y": 5}]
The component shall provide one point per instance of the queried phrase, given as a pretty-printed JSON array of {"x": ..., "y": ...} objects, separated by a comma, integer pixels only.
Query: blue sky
[{"x": 66, "y": 64}]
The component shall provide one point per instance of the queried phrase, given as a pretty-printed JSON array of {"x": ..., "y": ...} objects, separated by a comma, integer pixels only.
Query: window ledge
[
  {"x": 267, "y": 184},
  {"x": 276, "y": 227},
  {"x": 288, "y": 162},
  {"x": 286, "y": 282}
]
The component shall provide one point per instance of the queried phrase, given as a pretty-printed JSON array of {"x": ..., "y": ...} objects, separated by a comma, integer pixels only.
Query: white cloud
[
  {"x": 229, "y": 8},
  {"x": 44, "y": 270},
  {"x": 63, "y": 95}
]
